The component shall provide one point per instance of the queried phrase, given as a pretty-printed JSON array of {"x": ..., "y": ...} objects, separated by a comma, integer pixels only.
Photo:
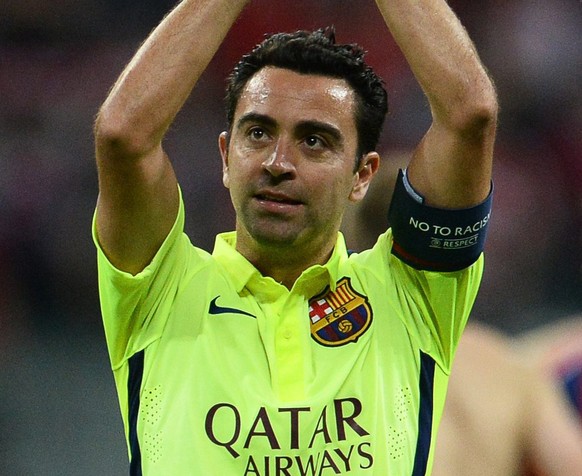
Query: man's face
[{"x": 289, "y": 163}]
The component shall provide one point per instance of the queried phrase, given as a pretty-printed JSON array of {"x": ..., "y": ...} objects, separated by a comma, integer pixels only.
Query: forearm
[
  {"x": 442, "y": 58},
  {"x": 452, "y": 165},
  {"x": 138, "y": 195},
  {"x": 158, "y": 80}
]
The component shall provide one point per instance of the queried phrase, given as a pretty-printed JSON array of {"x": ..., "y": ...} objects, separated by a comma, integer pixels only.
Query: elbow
[
  {"x": 116, "y": 138},
  {"x": 476, "y": 116}
]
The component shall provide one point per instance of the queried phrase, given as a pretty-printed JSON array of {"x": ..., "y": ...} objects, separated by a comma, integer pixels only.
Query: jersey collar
[{"x": 243, "y": 274}]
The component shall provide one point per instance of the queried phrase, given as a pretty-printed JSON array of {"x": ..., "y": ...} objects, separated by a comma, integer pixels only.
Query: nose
[{"x": 280, "y": 161}]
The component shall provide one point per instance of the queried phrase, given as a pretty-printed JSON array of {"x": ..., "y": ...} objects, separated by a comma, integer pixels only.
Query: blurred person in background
[
  {"x": 556, "y": 351},
  {"x": 503, "y": 415}
]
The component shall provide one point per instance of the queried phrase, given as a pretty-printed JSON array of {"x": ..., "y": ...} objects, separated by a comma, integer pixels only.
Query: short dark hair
[{"x": 316, "y": 52}]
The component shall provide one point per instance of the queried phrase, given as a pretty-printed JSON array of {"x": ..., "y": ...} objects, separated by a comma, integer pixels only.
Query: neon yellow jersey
[{"x": 221, "y": 371}]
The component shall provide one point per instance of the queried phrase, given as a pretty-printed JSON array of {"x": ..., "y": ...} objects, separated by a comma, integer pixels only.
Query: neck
[{"x": 283, "y": 264}]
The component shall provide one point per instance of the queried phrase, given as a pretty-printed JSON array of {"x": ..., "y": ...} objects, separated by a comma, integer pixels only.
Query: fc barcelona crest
[{"x": 340, "y": 316}]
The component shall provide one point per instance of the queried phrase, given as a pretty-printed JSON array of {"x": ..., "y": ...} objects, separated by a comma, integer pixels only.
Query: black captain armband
[{"x": 436, "y": 239}]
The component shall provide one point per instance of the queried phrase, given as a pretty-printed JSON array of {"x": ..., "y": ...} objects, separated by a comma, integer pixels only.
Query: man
[{"x": 278, "y": 353}]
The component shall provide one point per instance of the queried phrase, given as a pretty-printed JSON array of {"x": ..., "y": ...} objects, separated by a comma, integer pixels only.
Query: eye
[
  {"x": 257, "y": 133},
  {"x": 314, "y": 142}
]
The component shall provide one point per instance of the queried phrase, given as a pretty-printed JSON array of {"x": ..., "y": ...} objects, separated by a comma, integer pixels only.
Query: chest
[{"x": 328, "y": 380}]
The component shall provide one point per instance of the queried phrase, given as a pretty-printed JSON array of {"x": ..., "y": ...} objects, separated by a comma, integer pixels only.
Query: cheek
[
  {"x": 334, "y": 194},
  {"x": 237, "y": 179},
  {"x": 343, "y": 186},
  {"x": 235, "y": 170}
]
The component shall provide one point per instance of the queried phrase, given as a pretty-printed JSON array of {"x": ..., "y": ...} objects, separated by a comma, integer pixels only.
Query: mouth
[
  {"x": 277, "y": 203},
  {"x": 276, "y": 197}
]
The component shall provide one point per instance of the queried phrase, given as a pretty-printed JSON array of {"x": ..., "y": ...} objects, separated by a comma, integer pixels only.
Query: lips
[{"x": 277, "y": 197}]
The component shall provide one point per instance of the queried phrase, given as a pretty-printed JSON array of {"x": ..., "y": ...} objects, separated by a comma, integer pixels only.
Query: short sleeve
[{"x": 134, "y": 308}]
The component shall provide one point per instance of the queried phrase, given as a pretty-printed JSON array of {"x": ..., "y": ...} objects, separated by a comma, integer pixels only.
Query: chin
[{"x": 275, "y": 240}]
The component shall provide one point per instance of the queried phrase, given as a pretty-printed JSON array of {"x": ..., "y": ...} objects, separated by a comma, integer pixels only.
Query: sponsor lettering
[
  {"x": 326, "y": 462},
  {"x": 227, "y": 427}
]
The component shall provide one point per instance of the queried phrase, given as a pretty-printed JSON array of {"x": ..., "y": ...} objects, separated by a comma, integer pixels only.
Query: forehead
[{"x": 288, "y": 95}]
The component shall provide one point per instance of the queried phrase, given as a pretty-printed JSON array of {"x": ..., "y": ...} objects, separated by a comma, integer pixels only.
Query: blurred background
[{"x": 58, "y": 59}]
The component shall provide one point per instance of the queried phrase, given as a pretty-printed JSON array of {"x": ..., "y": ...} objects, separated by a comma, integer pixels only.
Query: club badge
[{"x": 339, "y": 317}]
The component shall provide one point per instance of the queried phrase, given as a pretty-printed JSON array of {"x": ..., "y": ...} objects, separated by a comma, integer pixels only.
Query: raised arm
[
  {"x": 138, "y": 195},
  {"x": 451, "y": 167}
]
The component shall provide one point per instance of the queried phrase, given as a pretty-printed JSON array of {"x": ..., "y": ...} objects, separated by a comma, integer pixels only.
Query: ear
[
  {"x": 223, "y": 147},
  {"x": 363, "y": 177}
]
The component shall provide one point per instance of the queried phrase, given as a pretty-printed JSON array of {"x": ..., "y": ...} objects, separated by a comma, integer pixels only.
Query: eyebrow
[
  {"x": 321, "y": 127},
  {"x": 307, "y": 126},
  {"x": 256, "y": 118}
]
